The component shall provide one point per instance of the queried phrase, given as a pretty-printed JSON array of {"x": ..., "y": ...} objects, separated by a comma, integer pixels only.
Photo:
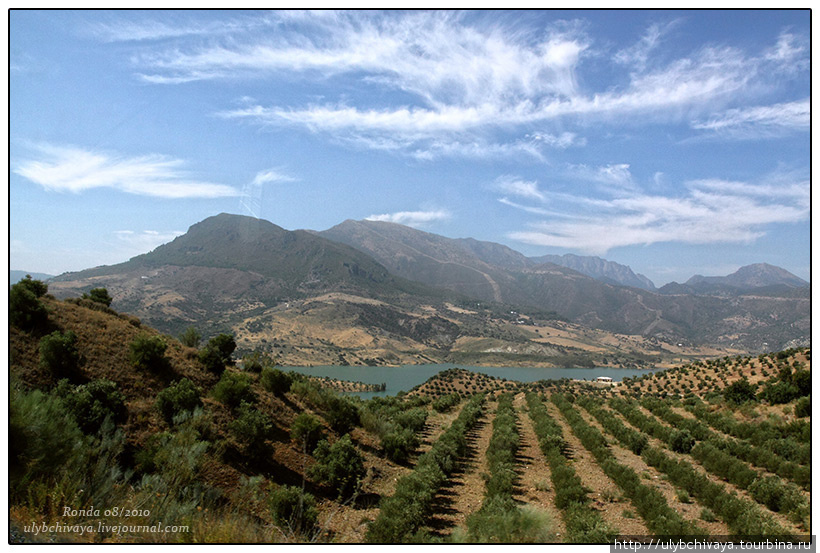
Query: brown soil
[
  {"x": 689, "y": 511},
  {"x": 731, "y": 488},
  {"x": 534, "y": 485},
  {"x": 464, "y": 491},
  {"x": 605, "y": 495}
]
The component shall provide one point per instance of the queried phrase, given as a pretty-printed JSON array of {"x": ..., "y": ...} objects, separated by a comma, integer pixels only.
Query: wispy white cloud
[
  {"x": 465, "y": 81},
  {"x": 510, "y": 184},
  {"x": 76, "y": 170},
  {"x": 412, "y": 218},
  {"x": 711, "y": 211},
  {"x": 272, "y": 175},
  {"x": 760, "y": 121},
  {"x": 637, "y": 55}
]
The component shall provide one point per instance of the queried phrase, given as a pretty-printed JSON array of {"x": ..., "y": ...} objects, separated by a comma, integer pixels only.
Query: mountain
[
  {"x": 600, "y": 269},
  {"x": 471, "y": 267},
  {"x": 757, "y": 275},
  {"x": 230, "y": 266},
  {"x": 491, "y": 272},
  {"x": 369, "y": 290},
  {"x": 17, "y": 276}
]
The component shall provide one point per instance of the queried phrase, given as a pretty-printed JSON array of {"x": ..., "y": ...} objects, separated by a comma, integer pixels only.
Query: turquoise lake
[{"x": 406, "y": 377}]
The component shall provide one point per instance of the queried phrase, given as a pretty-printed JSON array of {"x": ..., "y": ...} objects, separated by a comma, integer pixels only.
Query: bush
[
  {"x": 275, "y": 381},
  {"x": 179, "y": 397},
  {"x": 217, "y": 353},
  {"x": 190, "y": 337},
  {"x": 148, "y": 353},
  {"x": 257, "y": 361},
  {"x": 803, "y": 407},
  {"x": 306, "y": 430},
  {"x": 26, "y": 311},
  {"x": 446, "y": 403},
  {"x": 99, "y": 295},
  {"x": 681, "y": 441},
  {"x": 339, "y": 465},
  {"x": 92, "y": 403},
  {"x": 251, "y": 428},
  {"x": 342, "y": 415},
  {"x": 399, "y": 444},
  {"x": 739, "y": 392},
  {"x": 59, "y": 354},
  {"x": 44, "y": 439},
  {"x": 36, "y": 287},
  {"x": 232, "y": 389},
  {"x": 294, "y": 509},
  {"x": 780, "y": 392}
]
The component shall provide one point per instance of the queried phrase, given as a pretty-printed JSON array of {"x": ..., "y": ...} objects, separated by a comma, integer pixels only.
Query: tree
[
  {"x": 99, "y": 295},
  {"x": 26, "y": 311},
  {"x": 148, "y": 353},
  {"x": 233, "y": 389},
  {"x": 339, "y": 465},
  {"x": 190, "y": 337},
  {"x": 294, "y": 509},
  {"x": 275, "y": 381},
  {"x": 92, "y": 403},
  {"x": 251, "y": 428},
  {"x": 740, "y": 391},
  {"x": 306, "y": 430},
  {"x": 36, "y": 287},
  {"x": 217, "y": 353},
  {"x": 59, "y": 354},
  {"x": 180, "y": 397}
]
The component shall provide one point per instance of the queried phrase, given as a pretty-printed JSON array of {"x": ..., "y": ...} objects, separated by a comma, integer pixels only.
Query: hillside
[
  {"x": 227, "y": 471},
  {"x": 599, "y": 269},
  {"x": 243, "y": 274},
  {"x": 747, "y": 320}
]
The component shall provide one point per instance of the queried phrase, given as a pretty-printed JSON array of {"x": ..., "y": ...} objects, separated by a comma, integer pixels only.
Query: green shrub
[
  {"x": 275, "y": 381},
  {"x": 26, "y": 311},
  {"x": 342, "y": 415},
  {"x": 180, "y": 397},
  {"x": 59, "y": 354},
  {"x": 147, "y": 352},
  {"x": 217, "y": 353},
  {"x": 257, "y": 361},
  {"x": 445, "y": 403},
  {"x": 740, "y": 391},
  {"x": 681, "y": 441},
  {"x": 399, "y": 444},
  {"x": 190, "y": 337},
  {"x": 233, "y": 388},
  {"x": 44, "y": 440},
  {"x": 294, "y": 510},
  {"x": 802, "y": 408},
  {"x": 306, "y": 430},
  {"x": 36, "y": 287},
  {"x": 339, "y": 465},
  {"x": 92, "y": 403},
  {"x": 251, "y": 428},
  {"x": 99, "y": 295}
]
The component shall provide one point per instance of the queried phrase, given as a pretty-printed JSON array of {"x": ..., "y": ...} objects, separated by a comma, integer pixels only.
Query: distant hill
[
  {"x": 242, "y": 273},
  {"x": 17, "y": 276},
  {"x": 752, "y": 276},
  {"x": 762, "y": 278},
  {"x": 229, "y": 266},
  {"x": 600, "y": 269}
]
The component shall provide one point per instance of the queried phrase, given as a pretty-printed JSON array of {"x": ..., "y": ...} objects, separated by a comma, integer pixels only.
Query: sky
[{"x": 676, "y": 142}]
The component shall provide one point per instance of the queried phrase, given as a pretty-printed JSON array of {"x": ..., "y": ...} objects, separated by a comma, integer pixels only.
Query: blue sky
[{"x": 676, "y": 142}]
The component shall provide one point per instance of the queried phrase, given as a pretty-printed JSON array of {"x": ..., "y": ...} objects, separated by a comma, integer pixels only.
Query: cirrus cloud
[{"x": 76, "y": 170}]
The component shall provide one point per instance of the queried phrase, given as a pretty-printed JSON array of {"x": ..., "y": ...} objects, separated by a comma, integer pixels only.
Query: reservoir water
[{"x": 406, "y": 377}]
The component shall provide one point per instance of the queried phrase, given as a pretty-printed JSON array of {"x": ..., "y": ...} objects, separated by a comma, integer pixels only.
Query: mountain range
[{"x": 365, "y": 282}]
